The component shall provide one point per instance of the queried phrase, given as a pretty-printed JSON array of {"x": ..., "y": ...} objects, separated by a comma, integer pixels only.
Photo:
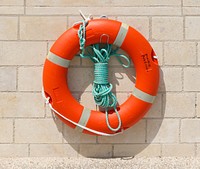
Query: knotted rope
[{"x": 102, "y": 89}]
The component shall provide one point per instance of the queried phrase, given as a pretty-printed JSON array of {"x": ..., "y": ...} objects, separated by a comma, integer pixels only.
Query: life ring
[{"x": 55, "y": 71}]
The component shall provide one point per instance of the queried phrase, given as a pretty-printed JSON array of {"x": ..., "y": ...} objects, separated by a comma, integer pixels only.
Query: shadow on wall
[{"x": 135, "y": 140}]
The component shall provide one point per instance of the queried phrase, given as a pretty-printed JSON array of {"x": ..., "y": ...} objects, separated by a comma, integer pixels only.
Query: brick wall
[{"x": 28, "y": 28}]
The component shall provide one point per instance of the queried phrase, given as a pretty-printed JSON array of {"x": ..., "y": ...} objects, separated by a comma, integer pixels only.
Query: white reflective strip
[
  {"x": 121, "y": 35},
  {"x": 58, "y": 60},
  {"x": 143, "y": 96},
  {"x": 84, "y": 119}
]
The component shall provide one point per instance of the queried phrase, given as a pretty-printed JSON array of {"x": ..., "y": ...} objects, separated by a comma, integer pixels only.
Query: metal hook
[
  {"x": 104, "y": 17},
  {"x": 103, "y": 36}
]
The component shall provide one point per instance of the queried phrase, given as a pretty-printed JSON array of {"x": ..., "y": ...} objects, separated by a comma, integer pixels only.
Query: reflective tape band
[
  {"x": 121, "y": 35},
  {"x": 58, "y": 60},
  {"x": 84, "y": 119},
  {"x": 143, "y": 96}
]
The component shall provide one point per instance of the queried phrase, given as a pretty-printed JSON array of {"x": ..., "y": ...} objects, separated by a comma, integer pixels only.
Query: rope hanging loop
[{"x": 102, "y": 89}]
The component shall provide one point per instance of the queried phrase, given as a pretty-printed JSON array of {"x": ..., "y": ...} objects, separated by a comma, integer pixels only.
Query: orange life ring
[{"x": 70, "y": 111}]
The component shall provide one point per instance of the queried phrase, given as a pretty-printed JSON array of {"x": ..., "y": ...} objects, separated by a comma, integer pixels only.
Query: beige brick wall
[{"x": 28, "y": 28}]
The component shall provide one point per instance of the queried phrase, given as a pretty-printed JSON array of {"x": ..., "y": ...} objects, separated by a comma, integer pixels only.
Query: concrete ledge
[{"x": 118, "y": 163}]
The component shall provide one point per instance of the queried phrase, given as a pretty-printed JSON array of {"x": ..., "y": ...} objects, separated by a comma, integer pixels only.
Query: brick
[
  {"x": 179, "y": 105},
  {"x": 156, "y": 109},
  {"x": 13, "y": 150},
  {"x": 12, "y": 2},
  {"x": 41, "y": 28},
  {"x": 139, "y": 23},
  {"x": 163, "y": 28},
  {"x": 76, "y": 61},
  {"x": 198, "y": 150},
  {"x": 53, "y": 150},
  {"x": 191, "y": 3},
  {"x": 77, "y": 79},
  {"x": 66, "y": 3},
  {"x": 169, "y": 75},
  {"x": 23, "y": 53},
  {"x": 74, "y": 136},
  {"x": 158, "y": 49},
  {"x": 102, "y": 3},
  {"x": 137, "y": 150},
  {"x": 21, "y": 105},
  {"x": 162, "y": 131},
  {"x": 191, "y": 75},
  {"x": 8, "y": 79},
  {"x": 30, "y": 79},
  {"x": 6, "y": 134},
  {"x": 198, "y": 105},
  {"x": 191, "y": 28},
  {"x": 174, "y": 56},
  {"x": 75, "y": 19},
  {"x": 38, "y": 131},
  {"x": 191, "y": 10},
  {"x": 190, "y": 130},
  {"x": 96, "y": 150},
  {"x": 121, "y": 97},
  {"x": 135, "y": 134},
  {"x": 72, "y": 20},
  {"x": 8, "y": 28},
  {"x": 87, "y": 100},
  {"x": 178, "y": 150},
  {"x": 147, "y": 3},
  {"x": 198, "y": 51},
  {"x": 11, "y": 10},
  {"x": 114, "y": 62},
  {"x": 116, "y": 11},
  {"x": 121, "y": 77}
]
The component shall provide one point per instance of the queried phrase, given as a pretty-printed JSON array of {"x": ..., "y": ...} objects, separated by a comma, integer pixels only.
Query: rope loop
[{"x": 102, "y": 89}]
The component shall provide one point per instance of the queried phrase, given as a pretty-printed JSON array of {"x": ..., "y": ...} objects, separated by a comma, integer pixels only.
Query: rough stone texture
[
  {"x": 117, "y": 163},
  {"x": 28, "y": 128}
]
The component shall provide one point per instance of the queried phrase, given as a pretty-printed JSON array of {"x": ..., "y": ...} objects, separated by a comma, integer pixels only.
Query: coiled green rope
[{"x": 102, "y": 89}]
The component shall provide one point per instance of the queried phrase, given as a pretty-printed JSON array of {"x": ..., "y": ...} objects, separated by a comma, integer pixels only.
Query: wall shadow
[{"x": 111, "y": 147}]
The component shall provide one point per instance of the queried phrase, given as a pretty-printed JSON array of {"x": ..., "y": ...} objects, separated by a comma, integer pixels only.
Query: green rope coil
[{"x": 102, "y": 89}]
